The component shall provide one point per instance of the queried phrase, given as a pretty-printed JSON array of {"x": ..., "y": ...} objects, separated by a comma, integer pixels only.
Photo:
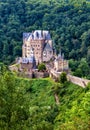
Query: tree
[
  {"x": 73, "y": 64},
  {"x": 12, "y": 102},
  {"x": 17, "y": 51},
  {"x": 88, "y": 56},
  {"x": 63, "y": 77},
  {"x": 41, "y": 67},
  {"x": 78, "y": 72},
  {"x": 84, "y": 67}
]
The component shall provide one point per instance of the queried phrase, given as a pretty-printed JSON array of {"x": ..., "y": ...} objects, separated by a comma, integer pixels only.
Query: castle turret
[{"x": 60, "y": 64}]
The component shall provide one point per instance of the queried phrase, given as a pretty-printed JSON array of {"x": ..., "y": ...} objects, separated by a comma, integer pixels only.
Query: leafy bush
[
  {"x": 30, "y": 104},
  {"x": 63, "y": 77},
  {"x": 41, "y": 67}
]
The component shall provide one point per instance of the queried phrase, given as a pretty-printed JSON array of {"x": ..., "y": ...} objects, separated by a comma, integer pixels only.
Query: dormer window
[{"x": 44, "y": 53}]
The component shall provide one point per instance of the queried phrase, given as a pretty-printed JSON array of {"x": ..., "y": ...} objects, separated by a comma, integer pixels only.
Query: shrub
[
  {"x": 41, "y": 67},
  {"x": 63, "y": 77}
]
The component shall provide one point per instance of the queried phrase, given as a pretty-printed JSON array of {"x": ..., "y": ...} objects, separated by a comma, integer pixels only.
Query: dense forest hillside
[
  {"x": 31, "y": 105},
  {"x": 68, "y": 22}
]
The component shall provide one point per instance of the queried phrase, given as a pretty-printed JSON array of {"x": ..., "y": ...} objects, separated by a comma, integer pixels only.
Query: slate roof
[
  {"x": 47, "y": 47},
  {"x": 28, "y": 60},
  {"x": 37, "y": 34},
  {"x": 26, "y": 35}
]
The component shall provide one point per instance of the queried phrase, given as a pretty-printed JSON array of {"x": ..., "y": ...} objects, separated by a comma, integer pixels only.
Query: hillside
[{"x": 30, "y": 104}]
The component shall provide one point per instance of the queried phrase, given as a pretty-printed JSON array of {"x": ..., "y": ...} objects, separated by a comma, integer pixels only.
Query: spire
[
  {"x": 60, "y": 52},
  {"x": 63, "y": 56},
  {"x": 60, "y": 55}
]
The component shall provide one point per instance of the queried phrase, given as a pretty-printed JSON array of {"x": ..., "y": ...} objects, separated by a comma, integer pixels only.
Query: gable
[{"x": 48, "y": 48}]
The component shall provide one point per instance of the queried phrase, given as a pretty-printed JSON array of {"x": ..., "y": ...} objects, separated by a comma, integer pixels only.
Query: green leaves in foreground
[
  {"x": 30, "y": 104},
  {"x": 12, "y": 103}
]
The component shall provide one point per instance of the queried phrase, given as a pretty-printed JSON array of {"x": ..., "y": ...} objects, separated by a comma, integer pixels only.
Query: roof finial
[
  {"x": 63, "y": 56},
  {"x": 60, "y": 54}
]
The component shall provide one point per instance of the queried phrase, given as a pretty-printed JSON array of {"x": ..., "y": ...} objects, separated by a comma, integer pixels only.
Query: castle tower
[
  {"x": 38, "y": 46},
  {"x": 37, "y": 40},
  {"x": 60, "y": 64}
]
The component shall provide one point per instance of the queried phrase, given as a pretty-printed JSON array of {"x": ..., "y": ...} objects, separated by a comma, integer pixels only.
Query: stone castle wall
[
  {"x": 79, "y": 81},
  {"x": 76, "y": 80},
  {"x": 34, "y": 74},
  {"x": 26, "y": 67}
]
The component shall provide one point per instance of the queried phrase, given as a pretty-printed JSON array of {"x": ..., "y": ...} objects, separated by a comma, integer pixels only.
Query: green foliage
[
  {"x": 12, "y": 103},
  {"x": 3, "y": 68},
  {"x": 56, "y": 88},
  {"x": 41, "y": 67},
  {"x": 23, "y": 103},
  {"x": 63, "y": 77},
  {"x": 30, "y": 104},
  {"x": 82, "y": 69},
  {"x": 73, "y": 112}
]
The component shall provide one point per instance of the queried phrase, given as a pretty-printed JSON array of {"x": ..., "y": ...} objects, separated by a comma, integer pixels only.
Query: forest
[
  {"x": 68, "y": 22},
  {"x": 29, "y": 104}
]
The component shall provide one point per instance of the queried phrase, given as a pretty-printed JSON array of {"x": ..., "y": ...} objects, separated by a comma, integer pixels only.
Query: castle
[{"x": 37, "y": 48}]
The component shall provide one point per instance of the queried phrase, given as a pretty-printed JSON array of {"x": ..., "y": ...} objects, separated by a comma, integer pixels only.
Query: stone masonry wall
[
  {"x": 79, "y": 81},
  {"x": 76, "y": 80}
]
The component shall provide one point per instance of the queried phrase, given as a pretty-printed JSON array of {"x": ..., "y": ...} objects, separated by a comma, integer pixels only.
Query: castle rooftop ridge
[{"x": 37, "y": 35}]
